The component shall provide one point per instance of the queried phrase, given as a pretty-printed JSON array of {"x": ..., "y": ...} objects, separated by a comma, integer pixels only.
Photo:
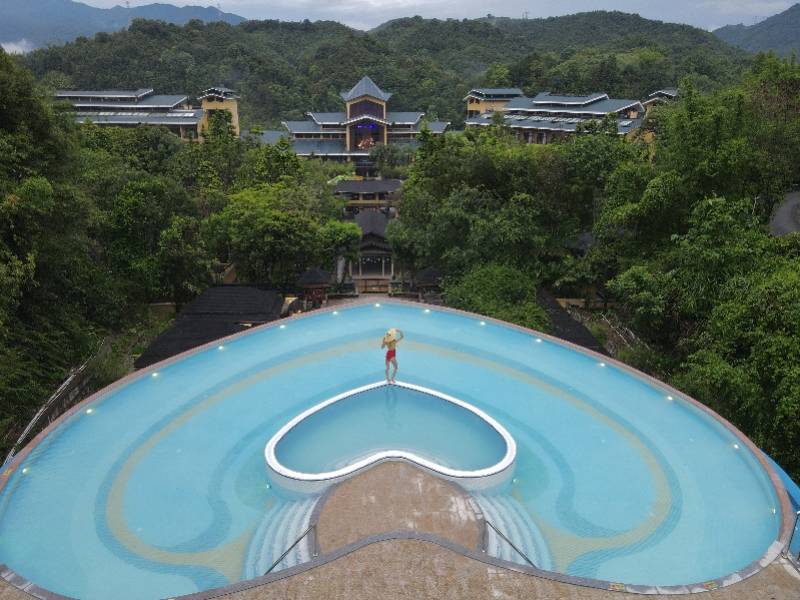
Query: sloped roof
[
  {"x": 324, "y": 147},
  {"x": 404, "y": 117},
  {"x": 368, "y": 186},
  {"x": 548, "y": 98},
  {"x": 372, "y": 222},
  {"x": 327, "y": 117},
  {"x": 218, "y": 312},
  {"x": 365, "y": 87},
  {"x": 128, "y": 94},
  {"x": 599, "y": 106},
  {"x": 437, "y": 126},
  {"x": 499, "y": 93},
  {"x": 314, "y": 277}
]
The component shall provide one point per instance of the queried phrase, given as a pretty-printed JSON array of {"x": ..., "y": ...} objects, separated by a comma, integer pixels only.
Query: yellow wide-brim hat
[{"x": 390, "y": 335}]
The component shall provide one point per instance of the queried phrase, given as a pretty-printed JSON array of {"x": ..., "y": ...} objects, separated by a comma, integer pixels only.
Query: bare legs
[{"x": 393, "y": 362}]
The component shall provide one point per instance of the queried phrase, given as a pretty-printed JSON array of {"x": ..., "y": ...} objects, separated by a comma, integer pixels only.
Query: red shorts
[{"x": 390, "y": 354}]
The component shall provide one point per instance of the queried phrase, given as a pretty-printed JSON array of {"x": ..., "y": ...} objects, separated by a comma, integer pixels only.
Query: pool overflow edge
[{"x": 778, "y": 548}]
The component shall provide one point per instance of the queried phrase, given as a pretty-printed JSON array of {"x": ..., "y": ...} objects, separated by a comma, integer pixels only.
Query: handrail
[
  {"x": 795, "y": 555},
  {"x": 488, "y": 524},
  {"x": 314, "y": 546}
]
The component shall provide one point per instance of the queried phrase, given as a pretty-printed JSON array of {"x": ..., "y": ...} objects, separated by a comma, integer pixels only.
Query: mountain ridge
[
  {"x": 779, "y": 33},
  {"x": 22, "y": 26}
]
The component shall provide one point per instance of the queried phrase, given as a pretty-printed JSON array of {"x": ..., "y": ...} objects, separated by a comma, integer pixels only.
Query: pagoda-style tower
[
  {"x": 365, "y": 123},
  {"x": 220, "y": 98}
]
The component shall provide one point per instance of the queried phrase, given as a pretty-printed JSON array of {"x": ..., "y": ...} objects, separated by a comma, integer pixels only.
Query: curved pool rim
[
  {"x": 775, "y": 549},
  {"x": 479, "y": 478}
]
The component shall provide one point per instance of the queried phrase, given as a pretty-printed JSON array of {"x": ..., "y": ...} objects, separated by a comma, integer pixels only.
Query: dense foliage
[
  {"x": 97, "y": 222},
  {"x": 284, "y": 69},
  {"x": 677, "y": 235}
]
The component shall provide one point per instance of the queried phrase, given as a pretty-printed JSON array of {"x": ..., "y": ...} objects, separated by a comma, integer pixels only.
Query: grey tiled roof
[
  {"x": 598, "y": 107},
  {"x": 156, "y": 101},
  {"x": 542, "y": 123},
  {"x": 496, "y": 92},
  {"x": 404, "y": 117},
  {"x": 177, "y": 117},
  {"x": 365, "y": 87},
  {"x": 367, "y": 186},
  {"x": 271, "y": 137},
  {"x": 437, "y": 126},
  {"x": 328, "y": 117},
  {"x": 548, "y": 98},
  {"x": 671, "y": 92},
  {"x": 324, "y": 147},
  {"x": 302, "y": 126},
  {"x": 132, "y": 94}
]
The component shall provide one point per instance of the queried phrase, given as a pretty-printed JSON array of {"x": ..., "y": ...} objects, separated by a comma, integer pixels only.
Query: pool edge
[{"x": 773, "y": 551}]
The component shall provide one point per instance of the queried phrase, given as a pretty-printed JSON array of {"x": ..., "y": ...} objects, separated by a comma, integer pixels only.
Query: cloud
[
  {"x": 19, "y": 47},
  {"x": 365, "y": 14}
]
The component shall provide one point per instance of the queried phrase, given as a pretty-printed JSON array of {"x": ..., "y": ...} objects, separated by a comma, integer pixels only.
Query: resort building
[
  {"x": 365, "y": 122},
  {"x": 486, "y": 100},
  {"x": 660, "y": 96},
  {"x": 549, "y": 117},
  {"x": 131, "y": 108}
]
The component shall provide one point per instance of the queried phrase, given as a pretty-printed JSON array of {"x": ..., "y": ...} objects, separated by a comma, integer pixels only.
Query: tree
[
  {"x": 183, "y": 262},
  {"x": 499, "y": 291}
]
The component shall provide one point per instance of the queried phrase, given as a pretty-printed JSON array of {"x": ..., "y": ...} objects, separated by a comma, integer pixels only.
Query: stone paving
[{"x": 396, "y": 496}]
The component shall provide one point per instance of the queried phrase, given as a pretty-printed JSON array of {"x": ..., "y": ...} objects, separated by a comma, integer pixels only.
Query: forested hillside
[
  {"x": 284, "y": 69},
  {"x": 780, "y": 33}
]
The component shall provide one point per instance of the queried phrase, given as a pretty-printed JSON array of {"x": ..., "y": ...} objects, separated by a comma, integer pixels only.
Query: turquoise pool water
[
  {"x": 390, "y": 418},
  {"x": 159, "y": 488}
]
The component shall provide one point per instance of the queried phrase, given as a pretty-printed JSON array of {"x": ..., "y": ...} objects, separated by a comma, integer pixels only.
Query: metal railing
[
  {"x": 793, "y": 548},
  {"x": 485, "y": 541},
  {"x": 312, "y": 529}
]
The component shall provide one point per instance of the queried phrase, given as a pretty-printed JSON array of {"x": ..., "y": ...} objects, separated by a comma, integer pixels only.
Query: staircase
[
  {"x": 281, "y": 525},
  {"x": 511, "y": 517}
]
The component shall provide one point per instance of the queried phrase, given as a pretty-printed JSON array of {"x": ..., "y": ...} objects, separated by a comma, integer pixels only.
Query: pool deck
[{"x": 396, "y": 532}]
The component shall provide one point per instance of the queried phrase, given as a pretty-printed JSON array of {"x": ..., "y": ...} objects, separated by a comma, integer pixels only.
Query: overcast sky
[{"x": 364, "y": 14}]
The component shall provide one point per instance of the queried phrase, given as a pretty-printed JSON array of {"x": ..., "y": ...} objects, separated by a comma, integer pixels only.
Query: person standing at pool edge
[{"x": 390, "y": 340}]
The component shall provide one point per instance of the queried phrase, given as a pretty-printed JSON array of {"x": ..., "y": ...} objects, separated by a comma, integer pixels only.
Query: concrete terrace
[{"x": 397, "y": 532}]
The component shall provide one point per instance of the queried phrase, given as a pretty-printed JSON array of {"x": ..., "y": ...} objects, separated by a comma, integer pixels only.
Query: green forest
[
  {"x": 96, "y": 223},
  {"x": 283, "y": 69}
]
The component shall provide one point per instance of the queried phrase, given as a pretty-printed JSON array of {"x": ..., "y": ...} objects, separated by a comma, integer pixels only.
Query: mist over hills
[
  {"x": 780, "y": 33},
  {"x": 28, "y": 24}
]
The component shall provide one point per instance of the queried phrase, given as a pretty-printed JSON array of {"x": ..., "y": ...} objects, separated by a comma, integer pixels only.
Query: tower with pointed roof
[{"x": 365, "y": 124}]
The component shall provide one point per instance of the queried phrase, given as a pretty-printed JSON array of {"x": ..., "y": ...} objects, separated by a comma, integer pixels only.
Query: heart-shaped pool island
[{"x": 358, "y": 428}]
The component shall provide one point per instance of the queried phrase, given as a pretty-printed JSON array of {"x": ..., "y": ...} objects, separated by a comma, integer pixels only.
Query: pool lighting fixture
[
  {"x": 427, "y": 311},
  {"x": 89, "y": 411},
  {"x": 483, "y": 323},
  {"x": 282, "y": 327},
  {"x": 25, "y": 470},
  {"x": 736, "y": 446},
  {"x": 336, "y": 312},
  {"x": 220, "y": 347},
  {"x": 154, "y": 374},
  {"x": 670, "y": 398},
  {"x": 601, "y": 364},
  {"x": 538, "y": 340},
  {"x": 377, "y": 305},
  {"x": 774, "y": 511}
]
